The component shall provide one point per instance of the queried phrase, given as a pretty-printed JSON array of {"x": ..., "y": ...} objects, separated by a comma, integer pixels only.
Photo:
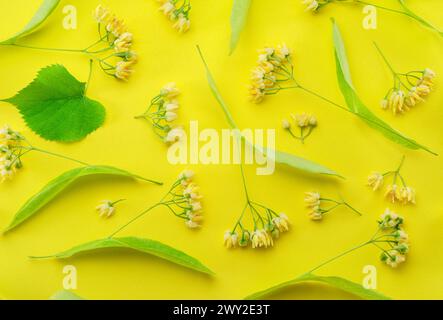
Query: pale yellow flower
[
  {"x": 311, "y": 5},
  {"x": 183, "y": 23},
  {"x": 393, "y": 258},
  {"x": 106, "y": 209},
  {"x": 102, "y": 14},
  {"x": 124, "y": 42},
  {"x": 312, "y": 199},
  {"x": 390, "y": 219},
  {"x": 316, "y": 214},
  {"x": 392, "y": 193},
  {"x": 123, "y": 70},
  {"x": 406, "y": 195},
  {"x": 286, "y": 124},
  {"x": 282, "y": 222},
  {"x": 375, "y": 181},
  {"x": 230, "y": 239},
  {"x": 170, "y": 91},
  {"x": 116, "y": 26}
]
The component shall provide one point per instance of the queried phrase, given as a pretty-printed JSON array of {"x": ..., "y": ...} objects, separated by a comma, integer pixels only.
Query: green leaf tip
[
  {"x": 355, "y": 104},
  {"x": 280, "y": 157},
  {"x": 239, "y": 16},
  {"x": 55, "y": 107},
  {"x": 65, "y": 295},
  {"x": 43, "y": 12},
  {"x": 55, "y": 187},
  {"x": 147, "y": 246},
  {"x": 336, "y": 282}
]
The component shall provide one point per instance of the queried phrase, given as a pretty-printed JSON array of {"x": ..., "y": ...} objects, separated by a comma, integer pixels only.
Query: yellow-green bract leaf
[
  {"x": 336, "y": 282},
  {"x": 65, "y": 295},
  {"x": 280, "y": 157},
  {"x": 148, "y": 246},
  {"x": 418, "y": 18},
  {"x": 354, "y": 103},
  {"x": 44, "y": 11},
  {"x": 59, "y": 184},
  {"x": 239, "y": 17}
]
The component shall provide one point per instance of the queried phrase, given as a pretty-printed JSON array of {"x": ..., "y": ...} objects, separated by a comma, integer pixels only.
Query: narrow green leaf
[
  {"x": 43, "y": 12},
  {"x": 55, "y": 107},
  {"x": 65, "y": 295},
  {"x": 336, "y": 282},
  {"x": 418, "y": 18},
  {"x": 280, "y": 157},
  {"x": 354, "y": 103},
  {"x": 59, "y": 184},
  {"x": 148, "y": 246},
  {"x": 239, "y": 18}
]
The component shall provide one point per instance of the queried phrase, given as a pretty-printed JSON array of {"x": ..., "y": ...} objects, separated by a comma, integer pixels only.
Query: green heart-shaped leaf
[{"x": 55, "y": 107}]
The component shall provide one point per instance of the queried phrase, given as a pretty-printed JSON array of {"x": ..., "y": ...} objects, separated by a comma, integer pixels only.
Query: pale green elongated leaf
[
  {"x": 239, "y": 16},
  {"x": 59, "y": 184},
  {"x": 418, "y": 18},
  {"x": 43, "y": 12},
  {"x": 148, "y": 246},
  {"x": 336, "y": 282},
  {"x": 280, "y": 157},
  {"x": 65, "y": 295},
  {"x": 56, "y": 108},
  {"x": 354, "y": 103}
]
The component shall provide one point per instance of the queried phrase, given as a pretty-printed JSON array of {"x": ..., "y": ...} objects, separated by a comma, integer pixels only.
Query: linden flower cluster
[
  {"x": 403, "y": 193},
  {"x": 10, "y": 152},
  {"x": 305, "y": 122},
  {"x": 184, "y": 200},
  {"x": 395, "y": 237},
  {"x": 162, "y": 112},
  {"x": 314, "y": 202},
  {"x": 274, "y": 66},
  {"x": 268, "y": 225},
  {"x": 177, "y": 13},
  {"x": 114, "y": 33},
  {"x": 409, "y": 90}
]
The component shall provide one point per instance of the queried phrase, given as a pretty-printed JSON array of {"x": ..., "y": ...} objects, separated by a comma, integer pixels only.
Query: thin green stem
[
  {"x": 340, "y": 255},
  {"x": 56, "y": 155},
  {"x": 44, "y": 48},
  {"x": 89, "y": 76},
  {"x": 133, "y": 220},
  {"x": 385, "y": 59},
  {"x": 244, "y": 183}
]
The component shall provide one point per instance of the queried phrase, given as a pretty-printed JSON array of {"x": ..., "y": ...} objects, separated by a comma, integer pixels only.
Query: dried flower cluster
[
  {"x": 305, "y": 122},
  {"x": 394, "y": 237},
  {"x": 10, "y": 152},
  {"x": 274, "y": 66},
  {"x": 403, "y": 193},
  {"x": 162, "y": 112},
  {"x": 314, "y": 201},
  {"x": 114, "y": 34},
  {"x": 409, "y": 89},
  {"x": 178, "y": 12}
]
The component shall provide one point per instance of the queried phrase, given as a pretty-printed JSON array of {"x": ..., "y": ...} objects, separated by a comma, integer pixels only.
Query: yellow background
[{"x": 341, "y": 142}]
